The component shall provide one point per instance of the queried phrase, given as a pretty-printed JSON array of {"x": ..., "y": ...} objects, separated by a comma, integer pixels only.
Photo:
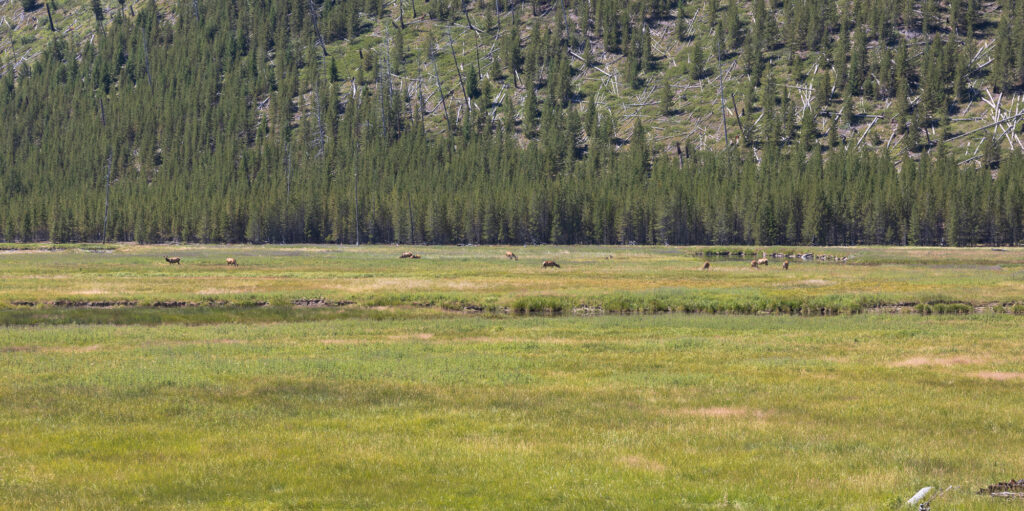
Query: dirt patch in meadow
[
  {"x": 78, "y": 349},
  {"x": 998, "y": 375},
  {"x": 726, "y": 412},
  {"x": 642, "y": 463},
  {"x": 939, "y": 361},
  {"x": 421, "y": 336}
]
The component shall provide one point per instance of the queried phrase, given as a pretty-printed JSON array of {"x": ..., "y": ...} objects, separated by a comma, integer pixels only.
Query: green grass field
[{"x": 327, "y": 377}]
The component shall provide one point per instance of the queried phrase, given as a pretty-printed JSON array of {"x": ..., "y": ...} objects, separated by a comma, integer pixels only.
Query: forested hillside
[{"x": 503, "y": 121}]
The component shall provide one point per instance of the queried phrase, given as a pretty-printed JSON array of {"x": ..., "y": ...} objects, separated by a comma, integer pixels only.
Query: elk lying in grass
[
  {"x": 173, "y": 260},
  {"x": 707, "y": 265},
  {"x": 550, "y": 264},
  {"x": 231, "y": 261},
  {"x": 407, "y": 255},
  {"x": 511, "y": 256}
]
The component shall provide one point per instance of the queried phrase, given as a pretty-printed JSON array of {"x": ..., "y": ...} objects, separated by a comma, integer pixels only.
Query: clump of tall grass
[{"x": 541, "y": 305}]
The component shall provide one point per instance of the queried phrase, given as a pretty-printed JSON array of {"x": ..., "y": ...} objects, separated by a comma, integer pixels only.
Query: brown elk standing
[
  {"x": 763, "y": 260},
  {"x": 173, "y": 260},
  {"x": 785, "y": 265},
  {"x": 550, "y": 264},
  {"x": 406, "y": 255},
  {"x": 707, "y": 265},
  {"x": 511, "y": 256},
  {"x": 231, "y": 261}
]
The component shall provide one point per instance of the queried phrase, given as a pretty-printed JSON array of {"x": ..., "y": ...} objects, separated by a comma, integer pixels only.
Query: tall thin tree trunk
[
  {"x": 50, "y": 16},
  {"x": 316, "y": 27},
  {"x": 462, "y": 83}
]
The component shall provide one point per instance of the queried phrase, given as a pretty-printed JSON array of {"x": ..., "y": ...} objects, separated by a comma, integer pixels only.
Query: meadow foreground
[{"x": 365, "y": 381}]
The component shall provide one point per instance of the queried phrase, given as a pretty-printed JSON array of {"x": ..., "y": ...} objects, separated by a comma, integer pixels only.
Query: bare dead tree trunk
[
  {"x": 316, "y": 27},
  {"x": 469, "y": 21},
  {"x": 50, "y": 16},
  {"x": 440, "y": 92},
  {"x": 743, "y": 132},
  {"x": 195, "y": 9},
  {"x": 462, "y": 83}
]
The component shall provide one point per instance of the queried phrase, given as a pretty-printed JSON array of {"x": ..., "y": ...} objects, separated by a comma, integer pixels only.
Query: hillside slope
[{"x": 505, "y": 121}]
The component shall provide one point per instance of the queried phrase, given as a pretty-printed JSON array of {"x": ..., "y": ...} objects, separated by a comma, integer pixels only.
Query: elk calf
[
  {"x": 231, "y": 261},
  {"x": 550, "y": 264},
  {"x": 173, "y": 260}
]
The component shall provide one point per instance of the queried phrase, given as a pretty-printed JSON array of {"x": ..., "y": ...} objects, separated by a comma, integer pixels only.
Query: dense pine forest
[{"x": 506, "y": 121}]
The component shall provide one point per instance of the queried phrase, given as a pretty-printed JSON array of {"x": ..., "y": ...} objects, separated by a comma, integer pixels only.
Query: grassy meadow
[{"x": 340, "y": 378}]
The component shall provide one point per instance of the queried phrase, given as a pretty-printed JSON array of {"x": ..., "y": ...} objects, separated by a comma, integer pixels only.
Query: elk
[
  {"x": 231, "y": 261},
  {"x": 753, "y": 264},
  {"x": 785, "y": 265},
  {"x": 550, "y": 264},
  {"x": 414, "y": 256},
  {"x": 173, "y": 260},
  {"x": 707, "y": 265},
  {"x": 406, "y": 255},
  {"x": 511, "y": 256},
  {"x": 763, "y": 260}
]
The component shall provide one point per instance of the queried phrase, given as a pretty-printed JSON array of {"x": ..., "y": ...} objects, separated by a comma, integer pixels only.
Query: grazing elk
[
  {"x": 763, "y": 260},
  {"x": 785, "y": 265},
  {"x": 231, "y": 261},
  {"x": 511, "y": 256},
  {"x": 707, "y": 265},
  {"x": 753, "y": 264},
  {"x": 173, "y": 260},
  {"x": 550, "y": 264},
  {"x": 406, "y": 255}
]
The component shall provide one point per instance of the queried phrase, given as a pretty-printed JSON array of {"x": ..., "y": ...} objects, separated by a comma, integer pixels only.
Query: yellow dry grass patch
[
  {"x": 639, "y": 462},
  {"x": 998, "y": 375},
  {"x": 730, "y": 412},
  {"x": 923, "y": 361}
]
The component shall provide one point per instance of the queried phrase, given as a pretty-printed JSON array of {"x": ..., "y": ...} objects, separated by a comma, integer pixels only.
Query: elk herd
[{"x": 756, "y": 263}]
